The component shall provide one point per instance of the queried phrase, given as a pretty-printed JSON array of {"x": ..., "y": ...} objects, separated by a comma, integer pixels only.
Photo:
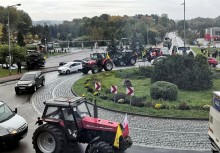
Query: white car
[
  {"x": 13, "y": 127},
  {"x": 70, "y": 67},
  {"x": 165, "y": 51}
]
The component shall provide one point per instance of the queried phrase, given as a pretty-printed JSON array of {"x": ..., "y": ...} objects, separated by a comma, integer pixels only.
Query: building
[{"x": 212, "y": 34}]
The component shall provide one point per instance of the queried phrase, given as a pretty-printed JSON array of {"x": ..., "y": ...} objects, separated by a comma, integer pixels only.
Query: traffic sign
[
  {"x": 130, "y": 91},
  {"x": 98, "y": 86},
  {"x": 114, "y": 89}
]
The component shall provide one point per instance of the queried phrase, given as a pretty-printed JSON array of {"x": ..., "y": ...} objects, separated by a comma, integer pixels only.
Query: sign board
[
  {"x": 114, "y": 89},
  {"x": 98, "y": 86},
  {"x": 130, "y": 91}
]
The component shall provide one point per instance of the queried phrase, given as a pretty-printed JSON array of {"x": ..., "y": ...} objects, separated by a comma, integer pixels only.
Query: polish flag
[{"x": 125, "y": 126}]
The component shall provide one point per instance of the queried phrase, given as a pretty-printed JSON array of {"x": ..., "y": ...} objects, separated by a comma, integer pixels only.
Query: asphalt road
[{"x": 25, "y": 109}]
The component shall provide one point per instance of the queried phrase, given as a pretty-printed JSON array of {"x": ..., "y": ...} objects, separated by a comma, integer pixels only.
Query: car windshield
[
  {"x": 5, "y": 113},
  {"x": 28, "y": 77},
  {"x": 67, "y": 65}
]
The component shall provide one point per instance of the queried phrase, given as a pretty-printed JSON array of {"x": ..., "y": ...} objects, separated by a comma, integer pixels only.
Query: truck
[{"x": 214, "y": 122}]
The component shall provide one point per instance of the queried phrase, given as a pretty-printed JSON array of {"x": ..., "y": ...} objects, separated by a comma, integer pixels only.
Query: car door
[{"x": 73, "y": 67}]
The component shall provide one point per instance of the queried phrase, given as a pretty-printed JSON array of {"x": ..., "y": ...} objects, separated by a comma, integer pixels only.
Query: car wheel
[
  {"x": 35, "y": 88},
  {"x": 43, "y": 83},
  {"x": 68, "y": 72}
]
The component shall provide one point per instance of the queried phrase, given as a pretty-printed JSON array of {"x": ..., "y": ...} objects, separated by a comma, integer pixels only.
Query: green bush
[
  {"x": 146, "y": 71},
  {"x": 164, "y": 90},
  {"x": 186, "y": 72}
]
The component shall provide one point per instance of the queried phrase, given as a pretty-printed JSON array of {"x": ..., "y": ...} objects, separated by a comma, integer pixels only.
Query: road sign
[
  {"x": 114, "y": 89},
  {"x": 98, "y": 86},
  {"x": 130, "y": 91}
]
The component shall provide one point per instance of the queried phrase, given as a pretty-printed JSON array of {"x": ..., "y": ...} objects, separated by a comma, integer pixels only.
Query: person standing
[{"x": 19, "y": 66}]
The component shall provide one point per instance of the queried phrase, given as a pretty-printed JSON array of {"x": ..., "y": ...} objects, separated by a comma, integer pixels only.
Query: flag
[
  {"x": 125, "y": 126},
  {"x": 117, "y": 137}
]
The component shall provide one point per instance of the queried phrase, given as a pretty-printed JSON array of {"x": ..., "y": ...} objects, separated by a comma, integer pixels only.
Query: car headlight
[
  {"x": 16, "y": 84},
  {"x": 30, "y": 84},
  {"x": 12, "y": 131}
]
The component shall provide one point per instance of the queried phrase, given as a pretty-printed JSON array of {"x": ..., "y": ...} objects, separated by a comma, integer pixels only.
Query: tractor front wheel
[
  {"x": 85, "y": 71},
  {"x": 132, "y": 61},
  {"x": 95, "y": 69},
  {"x": 48, "y": 139},
  {"x": 100, "y": 147},
  {"x": 108, "y": 66}
]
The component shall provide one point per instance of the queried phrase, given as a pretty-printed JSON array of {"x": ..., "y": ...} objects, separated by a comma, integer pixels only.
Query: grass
[
  {"x": 142, "y": 89},
  {"x": 5, "y": 72}
]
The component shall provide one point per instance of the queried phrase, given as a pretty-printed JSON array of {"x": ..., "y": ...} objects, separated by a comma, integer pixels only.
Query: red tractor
[
  {"x": 69, "y": 120},
  {"x": 97, "y": 62}
]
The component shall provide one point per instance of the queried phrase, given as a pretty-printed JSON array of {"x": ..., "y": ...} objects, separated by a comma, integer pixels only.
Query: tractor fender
[{"x": 93, "y": 140}]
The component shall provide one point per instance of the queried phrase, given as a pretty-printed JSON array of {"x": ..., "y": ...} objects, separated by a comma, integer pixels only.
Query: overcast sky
[{"x": 70, "y": 9}]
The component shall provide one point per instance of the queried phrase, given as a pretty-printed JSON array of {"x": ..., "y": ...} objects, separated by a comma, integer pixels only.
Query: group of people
[{"x": 210, "y": 52}]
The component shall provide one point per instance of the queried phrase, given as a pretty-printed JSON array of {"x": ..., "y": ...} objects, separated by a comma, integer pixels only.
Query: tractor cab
[{"x": 66, "y": 112}]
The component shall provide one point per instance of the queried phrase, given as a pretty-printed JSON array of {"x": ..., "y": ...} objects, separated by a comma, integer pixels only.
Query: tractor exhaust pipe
[{"x": 95, "y": 110}]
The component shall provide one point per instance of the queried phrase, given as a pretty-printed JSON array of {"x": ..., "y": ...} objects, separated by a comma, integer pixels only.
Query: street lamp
[
  {"x": 9, "y": 46},
  {"x": 184, "y": 23}
]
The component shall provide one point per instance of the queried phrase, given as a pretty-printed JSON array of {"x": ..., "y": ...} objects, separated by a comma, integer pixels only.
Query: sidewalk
[{"x": 18, "y": 76}]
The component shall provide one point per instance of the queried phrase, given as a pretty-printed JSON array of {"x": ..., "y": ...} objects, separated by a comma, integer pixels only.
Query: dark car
[
  {"x": 212, "y": 61},
  {"x": 30, "y": 81}
]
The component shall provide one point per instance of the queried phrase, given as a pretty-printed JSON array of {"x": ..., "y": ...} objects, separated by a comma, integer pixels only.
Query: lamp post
[
  {"x": 9, "y": 46},
  {"x": 184, "y": 24}
]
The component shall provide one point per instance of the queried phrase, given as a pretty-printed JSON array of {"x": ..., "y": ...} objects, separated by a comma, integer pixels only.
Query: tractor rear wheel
[
  {"x": 95, "y": 69},
  {"x": 108, "y": 66},
  {"x": 100, "y": 147},
  {"x": 48, "y": 139},
  {"x": 132, "y": 61}
]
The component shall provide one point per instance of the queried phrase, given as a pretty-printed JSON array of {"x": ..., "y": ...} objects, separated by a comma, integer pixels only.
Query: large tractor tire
[
  {"x": 132, "y": 61},
  {"x": 108, "y": 66},
  {"x": 100, "y": 147},
  {"x": 48, "y": 138},
  {"x": 121, "y": 63},
  {"x": 85, "y": 71},
  {"x": 95, "y": 69}
]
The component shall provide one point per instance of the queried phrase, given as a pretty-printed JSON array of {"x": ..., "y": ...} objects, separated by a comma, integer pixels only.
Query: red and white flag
[{"x": 125, "y": 126}]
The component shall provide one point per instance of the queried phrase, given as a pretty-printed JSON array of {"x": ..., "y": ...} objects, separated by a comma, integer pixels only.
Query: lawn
[
  {"x": 195, "y": 99},
  {"x": 5, "y": 72}
]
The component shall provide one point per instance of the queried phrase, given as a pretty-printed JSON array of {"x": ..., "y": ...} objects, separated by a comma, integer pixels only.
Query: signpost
[
  {"x": 98, "y": 86},
  {"x": 130, "y": 92},
  {"x": 114, "y": 90}
]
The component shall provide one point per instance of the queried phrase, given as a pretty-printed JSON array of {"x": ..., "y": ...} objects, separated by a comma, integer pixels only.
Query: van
[
  {"x": 214, "y": 122},
  {"x": 13, "y": 127}
]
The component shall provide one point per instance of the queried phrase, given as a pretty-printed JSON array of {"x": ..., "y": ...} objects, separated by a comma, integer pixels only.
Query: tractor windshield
[{"x": 82, "y": 110}]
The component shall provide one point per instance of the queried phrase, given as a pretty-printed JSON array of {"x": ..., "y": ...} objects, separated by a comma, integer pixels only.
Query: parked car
[
  {"x": 83, "y": 61},
  {"x": 30, "y": 81},
  {"x": 212, "y": 61},
  {"x": 70, "y": 67},
  {"x": 13, "y": 127}
]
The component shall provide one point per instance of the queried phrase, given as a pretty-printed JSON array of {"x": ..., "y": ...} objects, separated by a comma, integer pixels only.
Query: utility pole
[{"x": 184, "y": 23}]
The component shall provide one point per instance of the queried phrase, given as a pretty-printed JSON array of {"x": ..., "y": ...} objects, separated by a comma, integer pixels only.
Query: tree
[{"x": 20, "y": 39}]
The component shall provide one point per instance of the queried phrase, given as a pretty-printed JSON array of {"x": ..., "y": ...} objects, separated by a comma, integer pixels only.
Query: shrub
[
  {"x": 206, "y": 107},
  {"x": 89, "y": 89},
  {"x": 164, "y": 90},
  {"x": 184, "y": 106},
  {"x": 104, "y": 97},
  {"x": 121, "y": 101},
  {"x": 188, "y": 73},
  {"x": 120, "y": 96},
  {"x": 136, "y": 101},
  {"x": 158, "y": 106},
  {"x": 146, "y": 71},
  {"x": 96, "y": 93},
  {"x": 87, "y": 85}
]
